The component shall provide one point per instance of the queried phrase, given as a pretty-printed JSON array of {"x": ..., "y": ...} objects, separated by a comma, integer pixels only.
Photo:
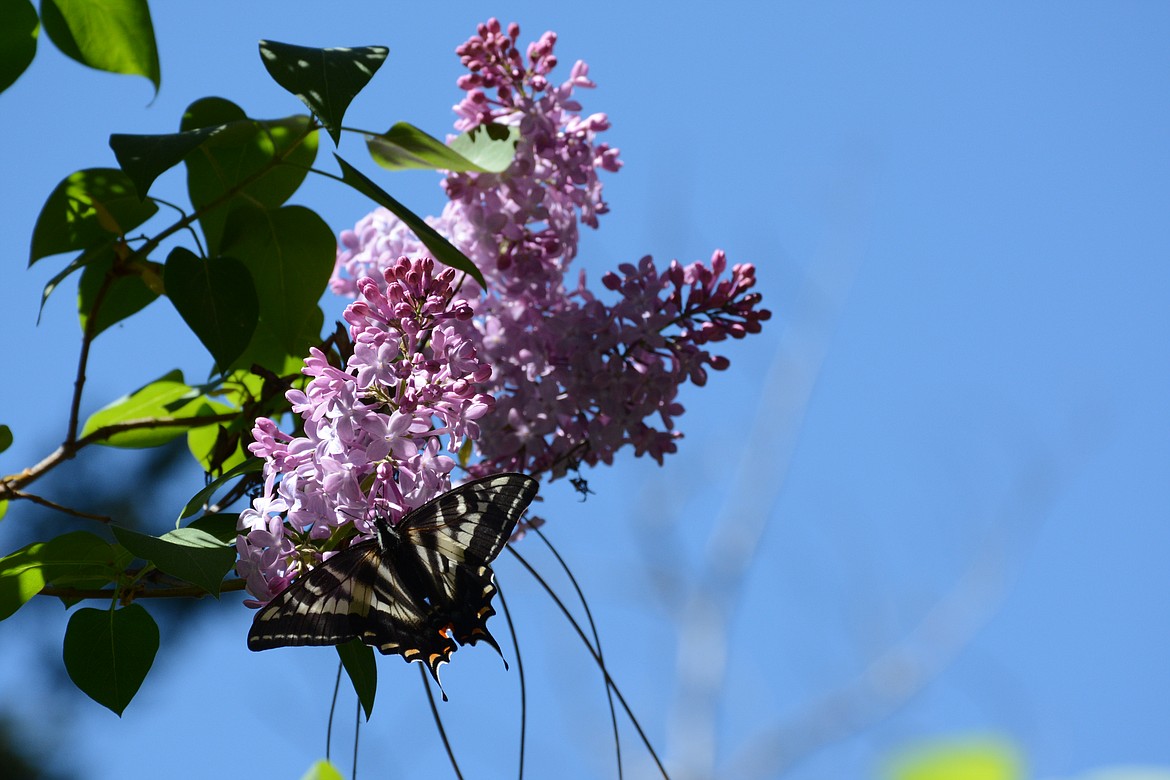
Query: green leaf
[
  {"x": 200, "y": 499},
  {"x": 290, "y": 252},
  {"x": 253, "y": 161},
  {"x": 216, "y": 298},
  {"x": 442, "y": 249},
  {"x": 25, "y": 572},
  {"x": 325, "y": 80},
  {"x": 3, "y": 508},
  {"x": 322, "y": 770},
  {"x": 88, "y": 209},
  {"x": 126, "y": 294},
  {"x": 973, "y": 759},
  {"x": 146, "y": 157},
  {"x": 492, "y": 147},
  {"x": 109, "y": 652},
  {"x": 165, "y": 398},
  {"x": 221, "y": 526},
  {"x": 202, "y": 442},
  {"x": 404, "y": 146},
  {"x": 187, "y": 553},
  {"x": 18, "y": 39},
  {"x": 5, "y": 437},
  {"x": 358, "y": 660},
  {"x": 111, "y": 35}
]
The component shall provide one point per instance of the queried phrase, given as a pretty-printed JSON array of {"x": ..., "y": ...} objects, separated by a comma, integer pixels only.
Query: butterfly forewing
[
  {"x": 470, "y": 524},
  {"x": 409, "y": 597}
]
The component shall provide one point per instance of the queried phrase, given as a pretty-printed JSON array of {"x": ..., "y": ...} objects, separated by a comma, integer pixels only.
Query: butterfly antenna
[
  {"x": 617, "y": 744},
  {"x": 439, "y": 721},
  {"x": 589, "y": 646},
  {"x": 520, "y": 669},
  {"x": 332, "y": 707}
]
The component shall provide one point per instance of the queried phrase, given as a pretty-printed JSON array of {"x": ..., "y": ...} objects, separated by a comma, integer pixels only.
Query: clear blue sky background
[{"x": 948, "y": 452}]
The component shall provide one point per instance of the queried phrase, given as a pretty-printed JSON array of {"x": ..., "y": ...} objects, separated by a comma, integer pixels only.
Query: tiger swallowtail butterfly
[{"x": 415, "y": 589}]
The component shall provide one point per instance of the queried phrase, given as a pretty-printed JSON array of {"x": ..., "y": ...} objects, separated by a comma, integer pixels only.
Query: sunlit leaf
[
  {"x": 325, "y": 80},
  {"x": 972, "y": 759},
  {"x": 322, "y": 770},
  {"x": 108, "y": 653},
  {"x": 404, "y": 146},
  {"x": 165, "y": 398},
  {"x": 492, "y": 147},
  {"x": 25, "y": 572},
  {"x": 86, "y": 210},
  {"x": 111, "y": 35}
]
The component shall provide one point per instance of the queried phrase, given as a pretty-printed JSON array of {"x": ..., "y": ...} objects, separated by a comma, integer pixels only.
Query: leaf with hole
[
  {"x": 108, "y": 653},
  {"x": 325, "y": 80},
  {"x": 492, "y": 147},
  {"x": 405, "y": 147}
]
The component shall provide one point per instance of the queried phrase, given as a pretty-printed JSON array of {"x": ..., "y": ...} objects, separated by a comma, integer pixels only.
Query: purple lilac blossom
[
  {"x": 575, "y": 378},
  {"x": 375, "y": 432}
]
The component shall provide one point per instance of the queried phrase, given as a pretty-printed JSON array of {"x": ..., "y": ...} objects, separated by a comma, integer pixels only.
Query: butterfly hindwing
[{"x": 422, "y": 586}]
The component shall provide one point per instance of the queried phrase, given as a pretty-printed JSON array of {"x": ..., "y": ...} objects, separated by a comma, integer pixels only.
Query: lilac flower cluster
[
  {"x": 575, "y": 377},
  {"x": 374, "y": 433}
]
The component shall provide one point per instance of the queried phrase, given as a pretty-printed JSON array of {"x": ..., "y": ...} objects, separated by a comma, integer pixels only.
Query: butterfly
[{"x": 414, "y": 590}]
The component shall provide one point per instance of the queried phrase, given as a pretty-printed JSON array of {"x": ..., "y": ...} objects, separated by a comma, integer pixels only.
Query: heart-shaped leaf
[
  {"x": 87, "y": 210},
  {"x": 108, "y": 653}
]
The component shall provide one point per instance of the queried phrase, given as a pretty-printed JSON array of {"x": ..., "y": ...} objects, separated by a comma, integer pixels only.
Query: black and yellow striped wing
[{"x": 415, "y": 590}]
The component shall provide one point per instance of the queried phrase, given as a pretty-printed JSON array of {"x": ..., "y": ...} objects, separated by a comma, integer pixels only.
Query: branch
[
  {"x": 11, "y": 484},
  {"x": 183, "y": 592}
]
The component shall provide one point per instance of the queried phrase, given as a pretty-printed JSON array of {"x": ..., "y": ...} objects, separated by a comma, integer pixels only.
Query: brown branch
[
  {"x": 16, "y": 494},
  {"x": 186, "y": 591},
  {"x": 11, "y": 484}
]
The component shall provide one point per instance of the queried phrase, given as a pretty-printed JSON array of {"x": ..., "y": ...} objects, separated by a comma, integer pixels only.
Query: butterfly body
[{"x": 416, "y": 589}]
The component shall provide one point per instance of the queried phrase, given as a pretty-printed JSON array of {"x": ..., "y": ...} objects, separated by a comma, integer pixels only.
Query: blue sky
[{"x": 947, "y": 453}]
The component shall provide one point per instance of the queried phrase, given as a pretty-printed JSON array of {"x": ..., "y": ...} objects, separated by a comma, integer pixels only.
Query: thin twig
[
  {"x": 520, "y": 669},
  {"x": 18, "y": 494},
  {"x": 439, "y": 721},
  {"x": 332, "y": 707},
  {"x": 596, "y": 640},
  {"x": 190, "y": 591},
  {"x": 584, "y": 639}
]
